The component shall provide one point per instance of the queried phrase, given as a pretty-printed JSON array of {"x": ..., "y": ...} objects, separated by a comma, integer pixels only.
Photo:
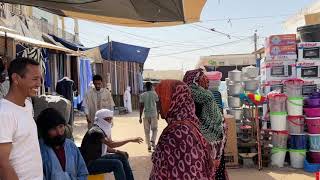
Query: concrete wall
[
  {"x": 160, "y": 75},
  {"x": 227, "y": 60}
]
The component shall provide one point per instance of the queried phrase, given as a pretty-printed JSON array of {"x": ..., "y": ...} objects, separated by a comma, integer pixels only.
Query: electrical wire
[
  {"x": 248, "y": 18},
  {"x": 202, "y": 48}
]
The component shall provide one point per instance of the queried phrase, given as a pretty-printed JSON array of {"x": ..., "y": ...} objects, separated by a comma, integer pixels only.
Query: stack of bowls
[
  {"x": 235, "y": 88},
  {"x": 298, "y": 139},
  {"x": 312, "y": 112},
  {"x": 278, "y": 118}
]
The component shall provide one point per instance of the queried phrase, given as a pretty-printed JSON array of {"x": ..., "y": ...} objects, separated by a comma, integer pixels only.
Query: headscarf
[
  {"x": 208, "y": 112},
  {"x": 182, "y": 152},
  {"x": 176, "y": 101},
  {"x": 103, "y": 124}
]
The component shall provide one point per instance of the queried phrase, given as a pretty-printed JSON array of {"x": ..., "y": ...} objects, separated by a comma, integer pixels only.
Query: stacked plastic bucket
[
  {"x": 298, "y": 139},
  {"x": 214, "y": 79},
  {"x": 278, "y": 118},
  {"x": 312, "y": 112}
]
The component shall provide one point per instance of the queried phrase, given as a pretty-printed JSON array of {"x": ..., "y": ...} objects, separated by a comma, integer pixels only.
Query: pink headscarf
[{"x": 182, "y": 152}]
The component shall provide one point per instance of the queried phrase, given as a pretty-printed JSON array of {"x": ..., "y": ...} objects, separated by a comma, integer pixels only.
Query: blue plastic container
[
  {"x": 310, "y": 167},
  {"x": 314, "y": 140},
  {"x": 298, "y": 141}
]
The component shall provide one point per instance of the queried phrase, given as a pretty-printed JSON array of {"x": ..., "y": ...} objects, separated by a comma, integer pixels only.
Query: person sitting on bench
[
  {"x": 98, "y": 148},
  {"x": 61, "y": 158}
]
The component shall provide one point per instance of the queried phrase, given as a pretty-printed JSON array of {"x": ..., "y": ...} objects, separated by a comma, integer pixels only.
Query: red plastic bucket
[
  {"x": 296, "y": 124},
  {"x": 313, "y": 125}
]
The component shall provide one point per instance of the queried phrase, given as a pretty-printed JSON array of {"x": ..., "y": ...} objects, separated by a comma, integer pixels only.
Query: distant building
[
  {"x": 226, "y": 63},
  {"x": 161, "y": 75},
  {"x": 32, "y": 22},
  {"x": 297, "y": 20}
]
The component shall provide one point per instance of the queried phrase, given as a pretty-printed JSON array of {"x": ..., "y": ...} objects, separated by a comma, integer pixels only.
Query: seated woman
[
  {"x": 61, "y": 158},
  {"x": 182, "y": 151}
]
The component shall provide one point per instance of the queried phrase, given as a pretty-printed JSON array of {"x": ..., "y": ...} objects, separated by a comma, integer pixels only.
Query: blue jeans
[{"x": 115, "y": 163}]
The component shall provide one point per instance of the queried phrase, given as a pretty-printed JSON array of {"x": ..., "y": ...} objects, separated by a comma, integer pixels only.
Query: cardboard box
[
  {"x": 277, "y": 70},
  {"x": 312, "y": 19},
  {"x": 309, "y": 51},
  {"x": 288, "y": 52},
  {"x": 269, "y": 86},
  {"x": 231, "y": 148},
  {"x": 308, "y": 70},
  {"x": 281, "y": 40}
]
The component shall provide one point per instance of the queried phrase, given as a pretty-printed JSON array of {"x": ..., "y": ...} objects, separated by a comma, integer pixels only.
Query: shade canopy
[{"x": 135, "y": 13}]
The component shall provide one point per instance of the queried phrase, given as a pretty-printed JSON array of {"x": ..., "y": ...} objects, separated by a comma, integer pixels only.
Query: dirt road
[{"x": 128, "y": 126}]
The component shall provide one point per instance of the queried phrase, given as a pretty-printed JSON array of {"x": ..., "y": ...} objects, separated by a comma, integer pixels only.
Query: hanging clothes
[
  {"x": 127, "y": 99},
  {"x": 66, "y": 87},
  {"x": 47, "y": 79},
  {"x": 85, "y": 78}
]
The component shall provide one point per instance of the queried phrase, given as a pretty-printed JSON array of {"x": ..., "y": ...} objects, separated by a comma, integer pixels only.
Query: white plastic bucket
[
  {"x": 278, "y": 156},
  {"x": 278, "y": 121},
  {"x": 297, "y": 157},
  {"x": 295, "y": 106}
]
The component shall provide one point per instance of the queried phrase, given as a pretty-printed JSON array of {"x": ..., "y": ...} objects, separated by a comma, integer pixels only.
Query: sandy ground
[{"x": 128, "y": 126}]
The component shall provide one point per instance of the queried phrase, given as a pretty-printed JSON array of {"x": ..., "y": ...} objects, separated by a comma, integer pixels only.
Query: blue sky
[{"x": 167, "y": 43}]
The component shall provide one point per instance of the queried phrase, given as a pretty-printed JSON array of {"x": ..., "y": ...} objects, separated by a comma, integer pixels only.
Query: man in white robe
[
  {"x": 96, "y": 99},
  {"x": 127, "y": 99}
]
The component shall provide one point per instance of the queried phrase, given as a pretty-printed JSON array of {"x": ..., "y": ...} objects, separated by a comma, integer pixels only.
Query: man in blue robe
[{"x": 61, "y": 158}]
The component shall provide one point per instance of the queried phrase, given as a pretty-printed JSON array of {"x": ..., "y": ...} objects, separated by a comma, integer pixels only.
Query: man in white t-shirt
[{"x": 20, "y": 157}]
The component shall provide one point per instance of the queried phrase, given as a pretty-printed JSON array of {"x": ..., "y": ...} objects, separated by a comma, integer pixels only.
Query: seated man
[
  {"x": 98, "y": 148},
  {"x": 61, "y": 158}
]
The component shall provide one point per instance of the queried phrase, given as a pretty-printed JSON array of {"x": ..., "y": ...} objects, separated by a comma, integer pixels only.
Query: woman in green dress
[{"x": 212, "y": 124}]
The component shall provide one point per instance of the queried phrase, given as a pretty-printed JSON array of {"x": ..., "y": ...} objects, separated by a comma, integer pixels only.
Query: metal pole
[{"x": 255, "y": 39}]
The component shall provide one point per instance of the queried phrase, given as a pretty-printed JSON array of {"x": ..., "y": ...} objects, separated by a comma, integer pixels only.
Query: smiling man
[{"x": 19, "y": 147}]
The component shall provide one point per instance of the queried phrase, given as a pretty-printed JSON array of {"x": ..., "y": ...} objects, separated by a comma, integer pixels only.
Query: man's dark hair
[
  {"x": 49, "y": 118},
  {"x": 97, "y": 78},
  {"x": 148, "y": 86},
  {"x": 19, "y": 66}
]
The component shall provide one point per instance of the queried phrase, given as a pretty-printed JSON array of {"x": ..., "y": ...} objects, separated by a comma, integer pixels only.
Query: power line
[
  {"x": 247, "y": 18},
  {"x": 198, "y": 49}
]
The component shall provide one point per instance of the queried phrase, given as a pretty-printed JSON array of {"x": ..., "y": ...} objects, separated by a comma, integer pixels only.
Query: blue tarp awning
[
  {"x": 68, "y": 44},
  {"x": 124, "y": 52},
  {"x": 118, "y": 51}
]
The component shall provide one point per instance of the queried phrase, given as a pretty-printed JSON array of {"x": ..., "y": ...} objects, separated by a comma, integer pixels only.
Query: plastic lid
[
  {"x": 296, "y": 134},
  {"x": 279, "y": 132},
  {"x": 308, "y": 27},
  {"x": 274, "y": 95},
  {"x": 294, "y": 117},
  {"x": 296, "y": 98},
  {"x": 278, "y": 113},
  {"x": 297, "y": 150},
  {"x": 313, "y": 134},
  {"x": 293, "y": 82},
  {"x": 314, "y": 151},
  {"x": 275, "y": 149},
  {"x": 312, "y": 118}
]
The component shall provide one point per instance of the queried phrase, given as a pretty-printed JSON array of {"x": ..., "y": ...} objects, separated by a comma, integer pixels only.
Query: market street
[{"x": 128, "y": 126}]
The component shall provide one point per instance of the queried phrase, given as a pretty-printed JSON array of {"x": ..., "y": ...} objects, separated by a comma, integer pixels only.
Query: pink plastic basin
[
  {"x": 313, "y": 125},
  {"x": 312, "y": 112}
]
